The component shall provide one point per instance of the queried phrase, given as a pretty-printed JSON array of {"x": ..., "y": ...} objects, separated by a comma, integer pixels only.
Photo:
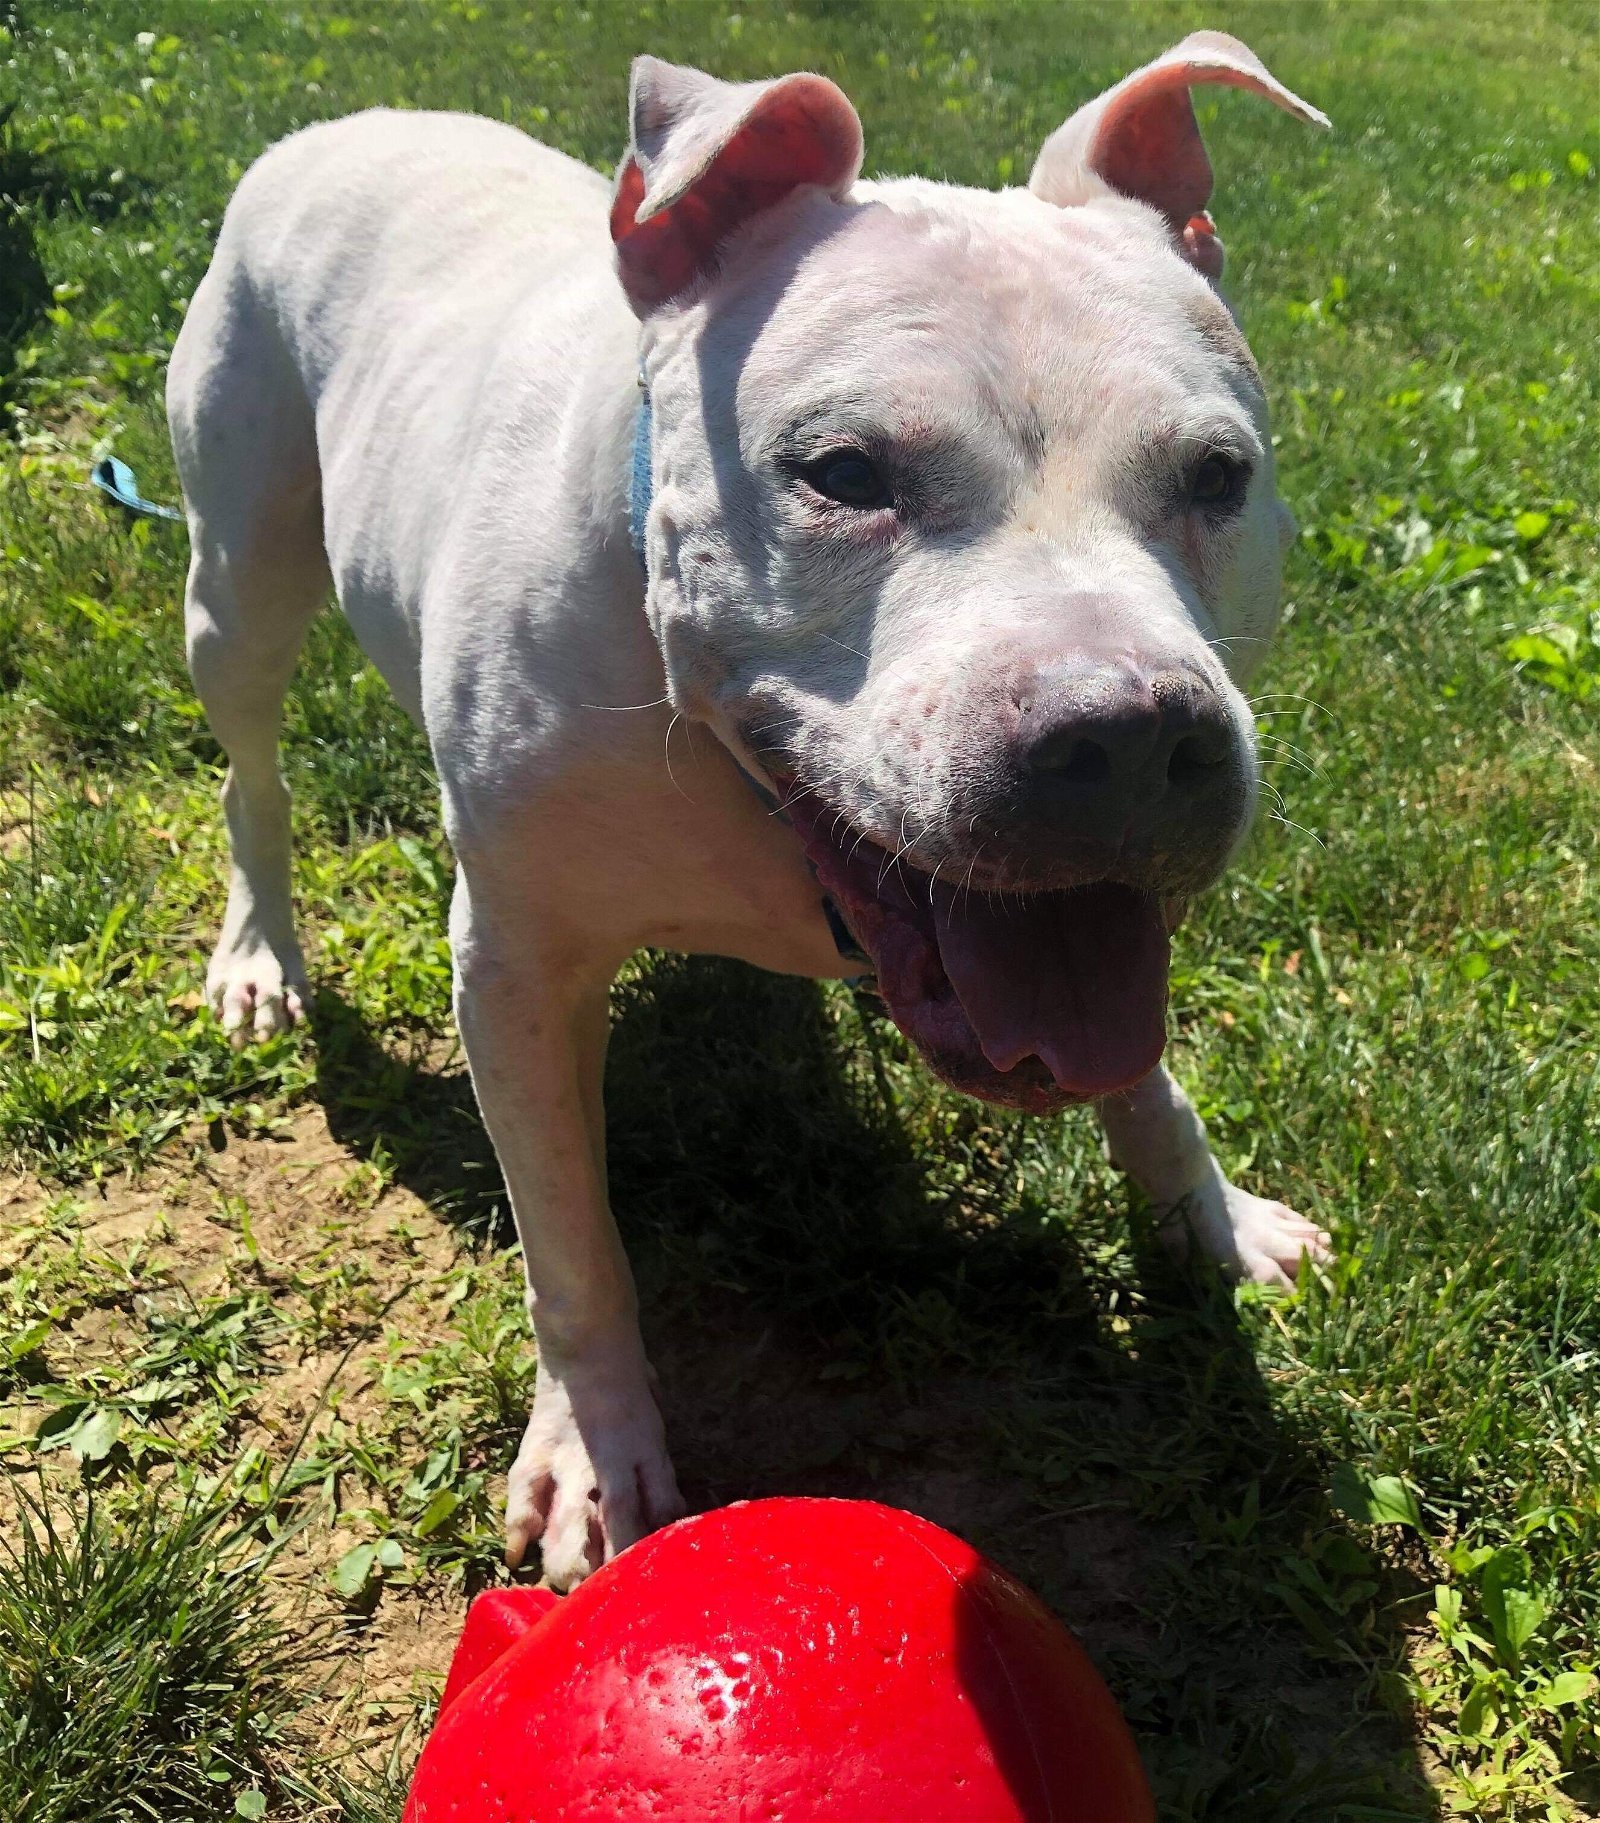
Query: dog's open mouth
[{"x": 1035, "y": 1000}]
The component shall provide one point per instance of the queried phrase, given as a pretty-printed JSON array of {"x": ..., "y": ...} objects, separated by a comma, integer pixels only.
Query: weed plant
[{"x": 145, "y": 1671}]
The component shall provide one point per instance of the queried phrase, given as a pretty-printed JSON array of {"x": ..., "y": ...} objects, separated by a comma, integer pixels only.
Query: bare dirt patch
[{"x": 344, "y": 1260}]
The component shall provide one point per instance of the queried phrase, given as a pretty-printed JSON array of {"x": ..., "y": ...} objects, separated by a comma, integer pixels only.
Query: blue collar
[
  {"x": 639, "y": 484},
  {"x": 639, "y": 488}
]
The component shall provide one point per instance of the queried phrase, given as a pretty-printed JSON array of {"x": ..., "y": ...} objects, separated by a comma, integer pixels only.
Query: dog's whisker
[
  {"x": 1282, "y": 742},
  {"x": 901, "y": 853},
  {"x": 893, "y": 860},
  {"x": 1299, "y": 828},
  {"x": 1253, "y": 703},
  {"x": 1285, "y": 753},
  {"x": 964, "y": 896},
  {"x": 843, "y": 647},
  {"x": 666, "y": 748},
  {"x": 1280, "y": 814}
]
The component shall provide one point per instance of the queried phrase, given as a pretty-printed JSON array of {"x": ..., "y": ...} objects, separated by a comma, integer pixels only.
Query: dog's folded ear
[
  {"x": 705, "y": 156},
  {"x": 1141, "y": 139}
]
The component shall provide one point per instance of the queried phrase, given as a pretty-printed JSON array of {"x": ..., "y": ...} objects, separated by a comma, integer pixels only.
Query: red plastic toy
[{"x": 780, "y": 1661}]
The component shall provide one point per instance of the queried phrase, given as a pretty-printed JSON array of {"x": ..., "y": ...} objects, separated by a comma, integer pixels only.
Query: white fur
[{"x": 411, "y": 369}]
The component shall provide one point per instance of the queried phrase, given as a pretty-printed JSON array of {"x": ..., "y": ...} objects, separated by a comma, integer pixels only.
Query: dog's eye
[
  {"x": 1218, "y": 482},
  {"x": 848, "y": 477}
]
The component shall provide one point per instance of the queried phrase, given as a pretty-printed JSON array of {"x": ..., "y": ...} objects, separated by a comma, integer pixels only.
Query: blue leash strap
[
  {"x": 116, "y": 481},
  {"x": 642, "y": 478}
]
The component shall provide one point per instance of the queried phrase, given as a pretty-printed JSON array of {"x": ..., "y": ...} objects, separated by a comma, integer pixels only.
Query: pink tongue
[{"x": 1077, "y": 979}]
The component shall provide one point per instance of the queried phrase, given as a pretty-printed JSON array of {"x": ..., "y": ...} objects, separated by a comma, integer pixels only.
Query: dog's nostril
[
  {"x": 1087, "y": 764},
  {"x": 1077, "y": 762},
  {"x": 1194, "y": 759}
]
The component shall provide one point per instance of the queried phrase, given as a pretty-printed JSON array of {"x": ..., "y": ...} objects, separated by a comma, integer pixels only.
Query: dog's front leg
[
  {"x": 593, "y": 1473},
  {"x": 1158, "y": 1139}
]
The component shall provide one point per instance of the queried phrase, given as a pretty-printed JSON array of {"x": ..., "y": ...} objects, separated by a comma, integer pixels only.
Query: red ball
[{"x": 780, "y": 1661}]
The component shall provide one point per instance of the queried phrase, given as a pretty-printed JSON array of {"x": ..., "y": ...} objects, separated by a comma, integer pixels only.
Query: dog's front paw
[
  {"x": 1249, "y": 1237},
  {"x": 592, "y": 1474},
  {"x": 254, "y": 989}
]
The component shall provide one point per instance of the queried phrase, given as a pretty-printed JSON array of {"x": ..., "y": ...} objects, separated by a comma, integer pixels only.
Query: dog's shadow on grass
[
  {"x": 34, "y": 186},
  {"x": 827, "y": 1318}
]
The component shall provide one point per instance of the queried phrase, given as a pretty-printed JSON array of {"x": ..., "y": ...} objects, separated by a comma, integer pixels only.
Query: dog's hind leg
[{"x": 244, "y": 438}]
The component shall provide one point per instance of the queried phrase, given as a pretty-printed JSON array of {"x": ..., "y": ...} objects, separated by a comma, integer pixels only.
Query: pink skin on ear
[
  {"x": 714, "y": 167},
  {"x": 1201, "y": 247},
  {"x": 1141, "y": 139}
]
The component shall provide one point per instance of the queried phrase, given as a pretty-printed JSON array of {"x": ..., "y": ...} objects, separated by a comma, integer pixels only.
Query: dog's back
[
  {"x": 388, "y": 226},
  {"x": 381, "y": 283}
]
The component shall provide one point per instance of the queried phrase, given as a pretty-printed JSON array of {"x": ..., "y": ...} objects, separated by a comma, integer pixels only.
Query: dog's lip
[
  {"x": 972, "y": 872},
  {"x": 1033, "y": 999}
]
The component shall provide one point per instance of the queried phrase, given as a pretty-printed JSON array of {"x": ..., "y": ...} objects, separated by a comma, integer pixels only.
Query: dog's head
[{"x": 964, "y": 536}]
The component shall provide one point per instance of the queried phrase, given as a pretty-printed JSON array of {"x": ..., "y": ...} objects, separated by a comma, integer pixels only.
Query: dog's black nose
[{"x": 1109, "y": 744}]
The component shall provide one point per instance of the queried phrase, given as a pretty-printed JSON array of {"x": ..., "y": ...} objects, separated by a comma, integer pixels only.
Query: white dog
[{"x": 955, "y": 534}]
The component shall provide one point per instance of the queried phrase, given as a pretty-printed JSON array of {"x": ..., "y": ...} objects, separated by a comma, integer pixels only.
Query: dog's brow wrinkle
[
  {"x": 1032, "y": 434},
  {"x": 1222, "y": 336}
]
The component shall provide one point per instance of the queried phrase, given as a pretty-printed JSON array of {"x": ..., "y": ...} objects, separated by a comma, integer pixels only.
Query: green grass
[
  {"x": 1338, "y": 1553},
  {"x": 149, "y": 1646}
]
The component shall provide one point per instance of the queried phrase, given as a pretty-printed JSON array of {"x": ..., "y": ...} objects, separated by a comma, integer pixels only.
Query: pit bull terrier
[{"x": 955, "y": 538}]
